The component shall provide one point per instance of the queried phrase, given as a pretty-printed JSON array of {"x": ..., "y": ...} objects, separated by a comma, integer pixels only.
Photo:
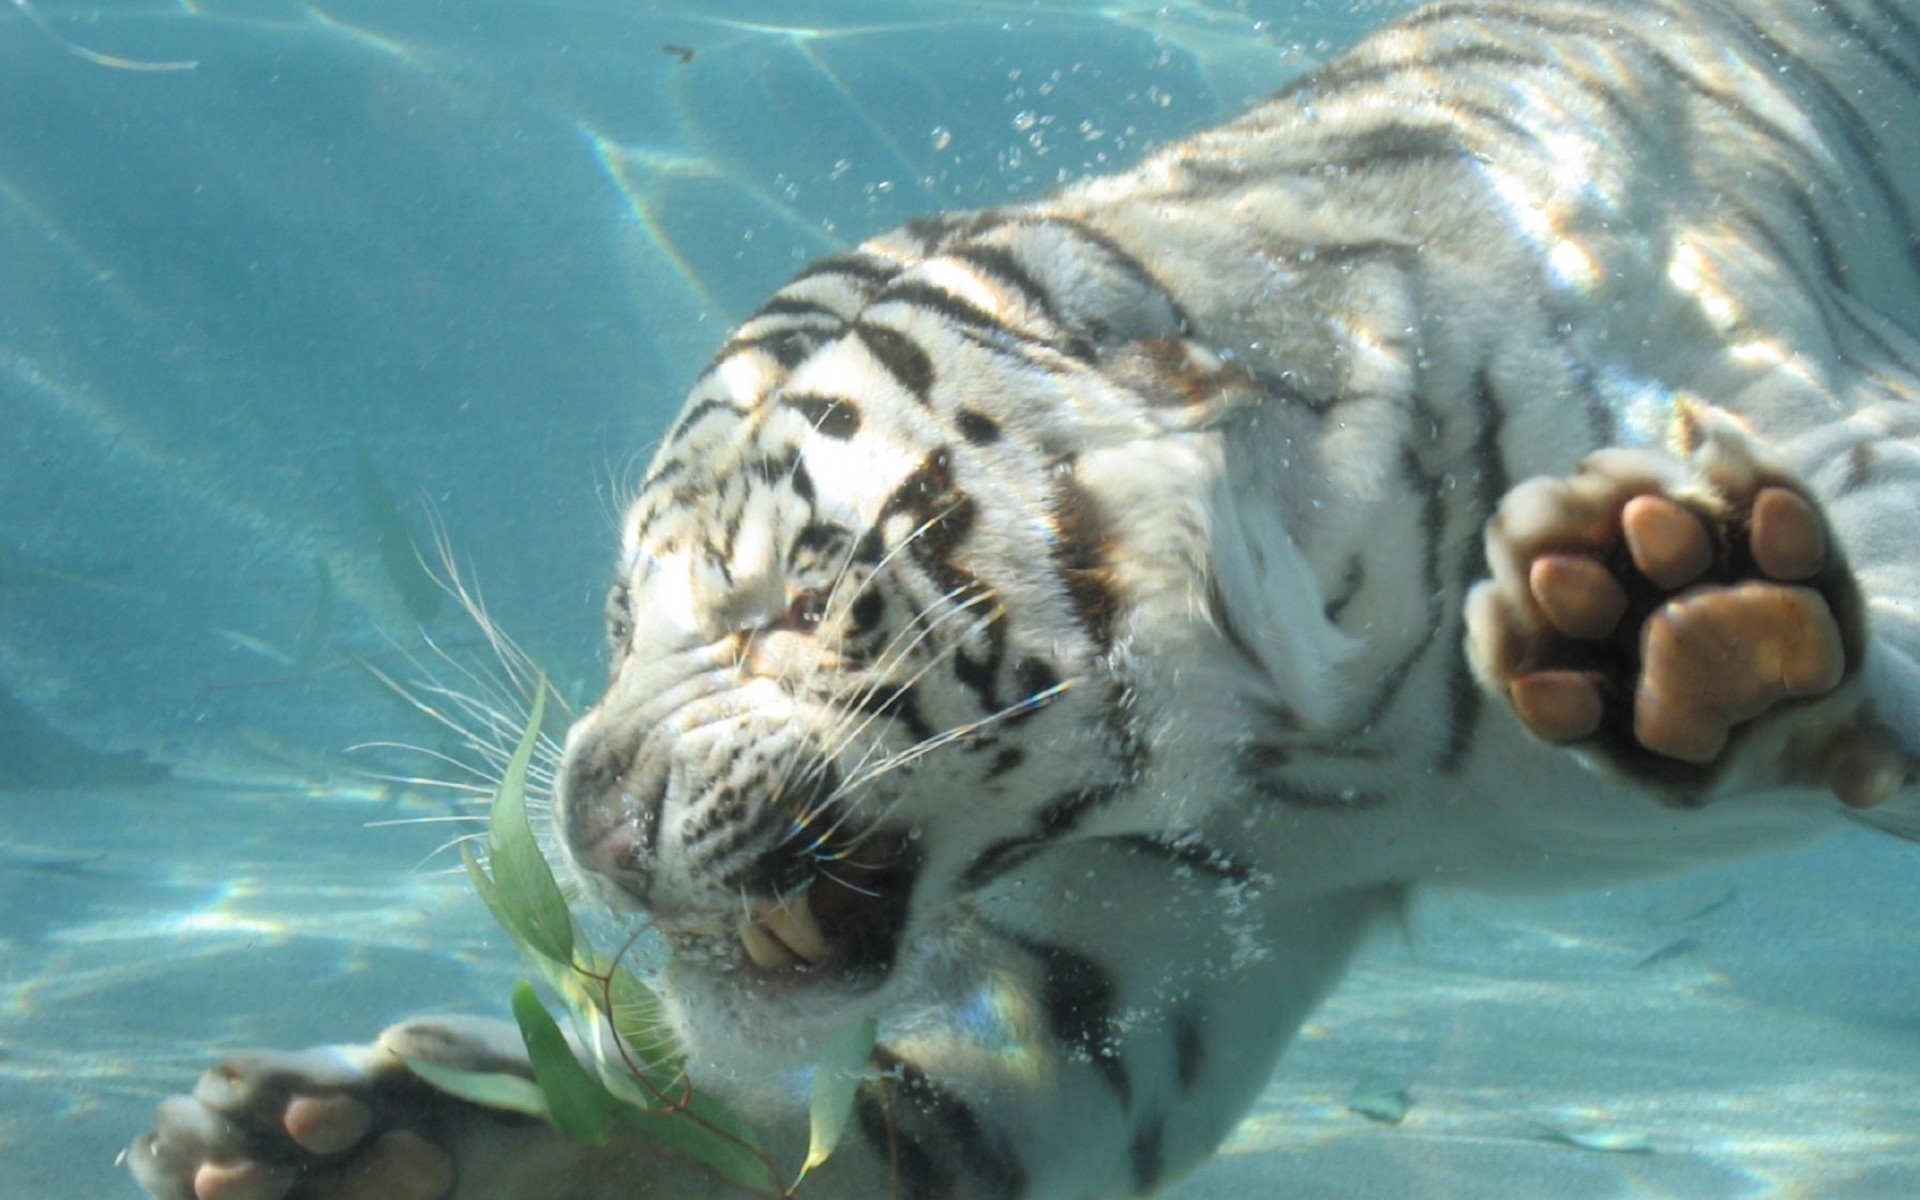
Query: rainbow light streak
[
  {"x": 993, "y": 1033},
  {"x": 629, "y": 168}
]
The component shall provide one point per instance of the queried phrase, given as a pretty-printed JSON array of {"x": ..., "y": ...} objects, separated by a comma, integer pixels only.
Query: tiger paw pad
[{"x": 1655, "y": 607}]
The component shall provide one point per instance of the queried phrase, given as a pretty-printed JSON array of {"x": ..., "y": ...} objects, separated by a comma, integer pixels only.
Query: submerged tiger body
[{"x": 1062, "y": 631}]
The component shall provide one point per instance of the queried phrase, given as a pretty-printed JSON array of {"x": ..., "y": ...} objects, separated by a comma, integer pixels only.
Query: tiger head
[{"x": 876, "y": 633}]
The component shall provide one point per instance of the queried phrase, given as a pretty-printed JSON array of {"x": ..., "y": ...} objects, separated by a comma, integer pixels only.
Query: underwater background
[{"x": 300, "y": 304}]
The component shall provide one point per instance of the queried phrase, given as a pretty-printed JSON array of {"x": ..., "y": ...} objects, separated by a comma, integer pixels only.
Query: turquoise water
[{"x": 379, "y": 272}]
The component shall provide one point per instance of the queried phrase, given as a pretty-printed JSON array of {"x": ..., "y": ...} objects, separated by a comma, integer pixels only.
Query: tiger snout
[{"x": 727, "y": 837}]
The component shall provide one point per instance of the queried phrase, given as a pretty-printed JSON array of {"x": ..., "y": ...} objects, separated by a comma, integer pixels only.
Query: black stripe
[
  {"x": 977, "y": 427},
  {"x": 937, "y": 231},
  {"x": 1602, "y": 426},
  {"x": 1006, "y": 760},
  {"x": 800, "y": 479},
  {"x": 902, "y": 358},
  {"x": 1394, "y": 144},
  {"x": 1079, "y": 549},
  {"x": 1060, "y": 817},
  {"x": 961, "y": 312},
  {"x": 830, "y": 416},
  {"x": 782, "y": 304},
  {"x": 896, "y": 702},
  {"x": 665, "y": 470},
  {"x": 858, "y": 266},
  {"x": 1000, "y": 266},
  {"x": 1145, "y": 1156},
  {"x": 1825, "y": 246},
  {"x": 943, "y": 517},
  {"x": 1877, "y": 340},
  {"x": 1192, "y": 854},
  {"x": 1851, "y": 128},
  {"x": 1491, "y": 483},
  {"x": 1078, "y": 998},
  {"x": 699, "y": 412},
  {"x": 1350, "y": 76},
  {"x": 1600, "y": 30},
  {"x": 940, "y": 1130},
  {"x": 1033, "y": 676},
  {"x": 1883, "y": 54},
  {"x": 1296, "y": 795},
  {"x": 1222, "y": 618},
  {"x": 1351, "y": 581},
  {"x": 1189, "y": 1047},
  {"x": 999, "y": 858},
  {"x": 1120, "y": 257},
  {"x": 1853, "y": 131},
  {"x": 1903, "y": 26},
  {"x": 788, "y": 347},
  {"x": 1428, "y": 493}
]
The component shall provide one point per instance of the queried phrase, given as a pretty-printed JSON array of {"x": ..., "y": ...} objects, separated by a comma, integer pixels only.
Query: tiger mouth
[
  {"x": 843, "y": 925},
  {"x": 777, "y": 937}
]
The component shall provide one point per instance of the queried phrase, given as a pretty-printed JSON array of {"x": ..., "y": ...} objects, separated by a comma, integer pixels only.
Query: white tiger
[{"x": 1061, "y": 631}]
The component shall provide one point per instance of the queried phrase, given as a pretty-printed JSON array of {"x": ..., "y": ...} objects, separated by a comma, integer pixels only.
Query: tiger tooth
[
  {"x": 763, "y": 948},
  {"x": 794, "y": 924}
]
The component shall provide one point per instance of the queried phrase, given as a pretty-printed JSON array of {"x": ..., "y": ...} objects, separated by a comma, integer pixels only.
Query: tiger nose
[{"x": 607, "y": 811}]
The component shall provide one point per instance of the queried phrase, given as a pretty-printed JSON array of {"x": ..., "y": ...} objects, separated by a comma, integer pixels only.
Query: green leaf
[
  {"x": 519, "y": 889},
  {"x": 483, "y": 883},
  {"x": 842, "y": 1069},
  {"x": 488, "y": 1089},
  {"x": 526, "y": 899},
  {"x": 559, "y": 976},
  {"x": 712, "y": 1135},
  {"x": 640, "y": 1019},
  {"x": 577, "y": 1102}
]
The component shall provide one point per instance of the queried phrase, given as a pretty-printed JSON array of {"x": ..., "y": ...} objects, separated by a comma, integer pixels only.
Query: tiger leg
[
  {"x": 353, "y": 1123},
  {"x": 1668, "y": 613},
  {"x": 1048, "y": 1066}
]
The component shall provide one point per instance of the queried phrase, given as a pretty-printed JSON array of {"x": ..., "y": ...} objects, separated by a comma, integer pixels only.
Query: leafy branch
[{"x": 637, "y": 1076}]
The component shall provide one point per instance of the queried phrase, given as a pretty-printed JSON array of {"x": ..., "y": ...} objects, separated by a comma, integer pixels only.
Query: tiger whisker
[
  {"x": 439, "y": 756},
  {"x": 521, "y": 670},
  {"x": 463, "y": 840},
  {"x": 928, "y": 745},
  {"x": 428, "y": 783},
  {"x": 887, "y": 654},
  {"x": 838, "y": 739},
  {"x": 481, "y": 726},
  {"x": 414, "y": 697},
  {"x": 909, "y": 639},
  {"x": 834, "y": 740},
  {"x": 859, "y": 716},
  {"x": 956, "y": 733},
  {"x": 863, "y": 774}
]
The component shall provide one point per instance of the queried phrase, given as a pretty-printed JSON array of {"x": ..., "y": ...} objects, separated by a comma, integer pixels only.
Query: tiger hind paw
[{"x": 1657, "y": 609}]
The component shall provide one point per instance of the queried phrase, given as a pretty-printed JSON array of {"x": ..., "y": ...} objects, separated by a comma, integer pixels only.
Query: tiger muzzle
[{"x": 785, "y": 887}]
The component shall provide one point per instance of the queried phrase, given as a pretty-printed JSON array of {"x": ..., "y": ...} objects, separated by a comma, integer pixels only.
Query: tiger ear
[{"x": 1184, "y": 384}]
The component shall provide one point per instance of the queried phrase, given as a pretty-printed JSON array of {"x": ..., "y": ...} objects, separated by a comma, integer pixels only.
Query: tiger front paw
[
  {"x": 336, "y": 1123},
  {"x": 1658, "y": 609}
]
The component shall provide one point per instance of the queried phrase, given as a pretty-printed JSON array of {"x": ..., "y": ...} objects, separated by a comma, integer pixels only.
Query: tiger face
[{"x": 871, "y": 632}]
